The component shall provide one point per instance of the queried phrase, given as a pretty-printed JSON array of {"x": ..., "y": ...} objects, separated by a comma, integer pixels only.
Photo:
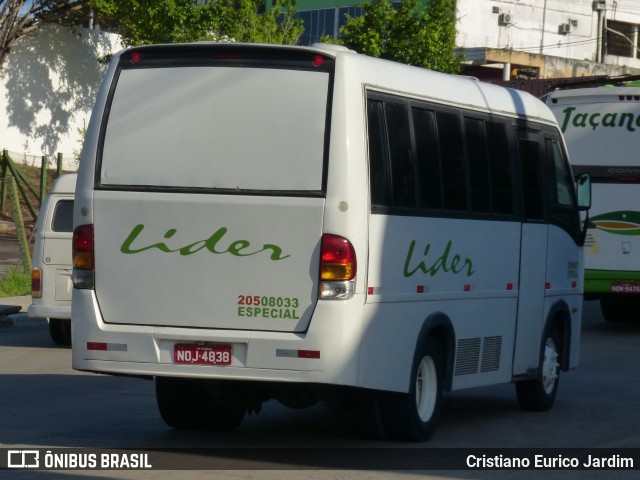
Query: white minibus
[
  {"x": 257, "y": 222},
  {"x": 601, "y": 127}
]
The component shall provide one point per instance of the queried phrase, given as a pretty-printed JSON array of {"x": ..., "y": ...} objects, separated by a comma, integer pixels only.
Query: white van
[
  {"x": 51, "y": 273},
  {"x": 258, "y": 222}
]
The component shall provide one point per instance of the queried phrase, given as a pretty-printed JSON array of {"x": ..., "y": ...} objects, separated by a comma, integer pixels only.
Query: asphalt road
[{"x": 46, "y": 404}]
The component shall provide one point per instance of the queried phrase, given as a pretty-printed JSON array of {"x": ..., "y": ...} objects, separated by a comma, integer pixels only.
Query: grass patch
[{"x": 15, "y": 284}]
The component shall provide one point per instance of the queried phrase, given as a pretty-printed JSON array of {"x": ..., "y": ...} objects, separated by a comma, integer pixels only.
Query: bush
[{"x": 15, "y": 284}]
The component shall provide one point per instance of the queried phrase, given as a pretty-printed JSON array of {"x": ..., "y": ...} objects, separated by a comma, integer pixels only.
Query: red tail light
[
  {"x": 83, "y": 247},
  {"x": 337, "y": 259},
  {"x": 36, "y": 283}
]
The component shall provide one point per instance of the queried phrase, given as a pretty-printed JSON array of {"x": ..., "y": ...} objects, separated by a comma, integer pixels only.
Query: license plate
[
  {"x": 625, "y": 288},
  {"x": 194, "y": 354}
]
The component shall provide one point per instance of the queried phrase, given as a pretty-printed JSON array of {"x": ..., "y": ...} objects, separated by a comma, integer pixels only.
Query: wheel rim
[
  {"x": 426, "y": 388},
  {"x": 550, "y": 366}
]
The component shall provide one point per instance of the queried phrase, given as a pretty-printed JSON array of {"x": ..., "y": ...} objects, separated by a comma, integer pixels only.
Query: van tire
[
  {"x": 539, "y": 394},
  {"x": 60, "y": 331},
  {"x": 413, "y": 416},
  {"x": 188, "y": 404}
]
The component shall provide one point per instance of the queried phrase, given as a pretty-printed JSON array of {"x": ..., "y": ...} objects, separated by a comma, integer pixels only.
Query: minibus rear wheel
[
  {"x": 413, "y": 416},
  {"x": 60, "y": 331},
  {"x": 188, "y": 404}
]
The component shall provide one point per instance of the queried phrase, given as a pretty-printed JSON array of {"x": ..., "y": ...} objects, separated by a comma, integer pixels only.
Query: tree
[
  {"x": 21, "y": 17},
  {"x": 168, "y": 21},
  {"x": 156, "y": 21},
  {"x": 251, "y": 21},
  {"x": 418, "y": 35}
]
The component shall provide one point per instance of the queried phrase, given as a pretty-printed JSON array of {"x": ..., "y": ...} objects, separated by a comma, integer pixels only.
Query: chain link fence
[{"x": 33, "y": 176}]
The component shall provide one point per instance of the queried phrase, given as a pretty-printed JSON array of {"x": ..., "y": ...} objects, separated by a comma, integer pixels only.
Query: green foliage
[
  {"x": 156, "y": 21},
  {"x": 19, "y": 18},
  {"x": 170, "y": 21},
  {"x": 250, "y": 21},
  {"x": 411, "y": 34},
  {"x": 15, "y": 284}
]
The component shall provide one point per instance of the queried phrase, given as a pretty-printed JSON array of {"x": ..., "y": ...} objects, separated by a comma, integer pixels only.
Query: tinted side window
[
  {"x": 501, "y": 179},
  {"x": 563, "y": 183},
  {"x": 380, "y": 195},
  {"x": 532, "y": 187},
  {"x": 478, "y": 165},
  {"x": 563, "y": 202},
  {"x": 402, "y": 179},
  {"x": 63, "y": 216},
  {"x": 429, "y": 171},
  {"x": 453, "y": 167}
]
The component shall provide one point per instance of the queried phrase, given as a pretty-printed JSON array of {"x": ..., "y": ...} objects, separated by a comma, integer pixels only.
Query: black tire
[
  {"x": 60, "y": 330},
  {"x": 194, "y": 404},
  {"x": 367, "y": 410},
  {"x": 539, "y": 394},
  {"x": 413, "y": 416},
  {"x": 618, "y": 309}
]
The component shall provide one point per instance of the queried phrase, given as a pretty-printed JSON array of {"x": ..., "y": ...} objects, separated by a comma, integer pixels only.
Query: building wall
[
  {"x": 47, "y": 90},
  {"x": 559, "y": 28}
]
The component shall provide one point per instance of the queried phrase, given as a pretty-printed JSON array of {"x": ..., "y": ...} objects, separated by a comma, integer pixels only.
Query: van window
[
  {"x": 63, "y": 217},
  {"x": 217, "y": 127}
]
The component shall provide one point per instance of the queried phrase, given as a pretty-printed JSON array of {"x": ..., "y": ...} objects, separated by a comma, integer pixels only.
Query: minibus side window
[
  {"x": 399, "y": 134},
  {"x": 563, "y": 183},
  {"x": 501, "y": 178},
  {"x": 380, "y": 196},
  {"x": 563, "y": 203},
  {"x": 532, "y": 187},
  {"x": 478, "y": 165},
  {"x": 453, "y": 167},
  {"x": 429, "y": 171}
]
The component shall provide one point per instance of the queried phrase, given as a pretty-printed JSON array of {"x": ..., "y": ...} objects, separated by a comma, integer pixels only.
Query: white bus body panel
[
  {"x": 607, "y": 248},
  {"x": 601, "y": 127}
]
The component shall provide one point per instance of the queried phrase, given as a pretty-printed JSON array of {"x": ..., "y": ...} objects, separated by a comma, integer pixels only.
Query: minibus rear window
[{"x": 226, "y": 128}]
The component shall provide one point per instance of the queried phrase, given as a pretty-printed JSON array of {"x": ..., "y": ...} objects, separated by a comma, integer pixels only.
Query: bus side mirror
[{"x": 584, "y": 192}]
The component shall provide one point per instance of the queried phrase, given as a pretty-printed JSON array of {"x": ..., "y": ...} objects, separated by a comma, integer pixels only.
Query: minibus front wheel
[{"x": 539, "y": 394}]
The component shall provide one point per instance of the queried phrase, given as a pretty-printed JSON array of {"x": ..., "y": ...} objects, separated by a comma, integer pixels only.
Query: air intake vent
[
  {"x": 469, "y": 360},
  {"x": 491, "y": 352}
]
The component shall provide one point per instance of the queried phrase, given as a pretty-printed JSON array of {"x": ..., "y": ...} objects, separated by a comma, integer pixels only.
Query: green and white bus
[
  {"x": 257, "y": 222},
  {"x": 601, "y": 127}
]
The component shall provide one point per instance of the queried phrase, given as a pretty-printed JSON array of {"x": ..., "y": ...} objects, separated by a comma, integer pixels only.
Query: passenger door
[{"x": 533, "y": 254}]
